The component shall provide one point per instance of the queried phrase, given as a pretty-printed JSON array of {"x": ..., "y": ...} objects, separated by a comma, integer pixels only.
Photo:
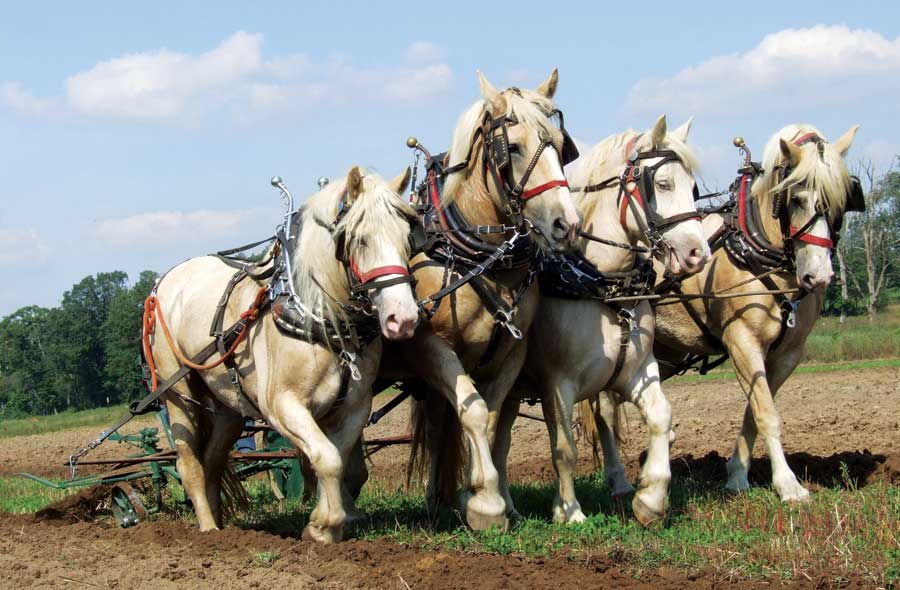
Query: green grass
[
  {"x": 725, "y": 374},
  {"x": 843, "y": 532},
  {"x": 61, "y": 421},
  {"x": 855, "y": 339},
  {"x": 19, "y": 495}
]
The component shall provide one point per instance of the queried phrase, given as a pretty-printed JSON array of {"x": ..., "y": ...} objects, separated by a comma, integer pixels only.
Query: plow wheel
[{"x": 126, "y": 504}]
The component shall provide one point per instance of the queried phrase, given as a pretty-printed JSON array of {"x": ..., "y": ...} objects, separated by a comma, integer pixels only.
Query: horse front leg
[
  {"x": 558, "y": 406},
  {"x": 651, "y": 502},
  {"x": 761, "y": 417},
  {"x": 606, "y": 417},
  {"x": 294, "y": 420},
  {"x": 503, "y": 413},
  {"x": 438, "y": 365}
]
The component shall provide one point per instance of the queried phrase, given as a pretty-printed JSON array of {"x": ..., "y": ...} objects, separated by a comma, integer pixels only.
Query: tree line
[
  {"x": 85, "y": 352},
  {"x": 82, "y": 354}
]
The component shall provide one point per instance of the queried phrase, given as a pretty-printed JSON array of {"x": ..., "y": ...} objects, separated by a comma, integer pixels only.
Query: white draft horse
[
  {"x": 807, "y": 176},
  {"x": 448, "y": 352},
  {"x": 299, "y": 386},
  {"x": 580, "y": 346}
]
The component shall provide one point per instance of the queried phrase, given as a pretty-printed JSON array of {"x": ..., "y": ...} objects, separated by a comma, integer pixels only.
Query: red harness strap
[
  {"x": 635, "y": 192},
  {"x": 806, "y": 137},
  {"x": 811, "y": 239},
  {"x": 543, "y": 188},
  {"x": 365, "y": 277}
]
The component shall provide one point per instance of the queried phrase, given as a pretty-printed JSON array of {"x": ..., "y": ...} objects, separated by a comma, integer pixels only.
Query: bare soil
[{"x": 828, "y": 418}]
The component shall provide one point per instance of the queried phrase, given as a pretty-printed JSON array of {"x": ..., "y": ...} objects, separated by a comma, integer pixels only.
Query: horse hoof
[
  {"x": 322, "y": 534},
  {"x": 646, "y": 515},
  {"x": 482, "y": 513}
]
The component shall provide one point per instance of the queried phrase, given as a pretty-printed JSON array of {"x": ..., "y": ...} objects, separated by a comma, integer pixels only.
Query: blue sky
[{"x": 134, "y": 137}]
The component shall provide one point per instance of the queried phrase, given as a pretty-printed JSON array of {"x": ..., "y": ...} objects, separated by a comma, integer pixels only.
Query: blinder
[
  {"x": 569, "y": 152},
  {"x": 856, "y": 200}
]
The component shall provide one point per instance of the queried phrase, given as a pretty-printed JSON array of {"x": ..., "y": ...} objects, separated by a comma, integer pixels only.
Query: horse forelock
[
  {"x": 607, "y": 159},
  {"x": 826, "y": 174},
  {"x": 378, "y": 214},
  {"x": 531, "y": 110}
]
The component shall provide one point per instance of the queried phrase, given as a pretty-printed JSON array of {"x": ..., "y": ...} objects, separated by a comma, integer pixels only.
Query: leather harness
[
  {"x": 747, "y": 246},
  {"x": 573, "y": 276},
  {"x": 458, "y": 246}
]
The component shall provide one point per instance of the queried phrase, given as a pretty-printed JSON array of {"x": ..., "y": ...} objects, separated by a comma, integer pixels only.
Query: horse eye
[
  {"x": 363, "y": 243},
  {"x": 663, "y": 185},
  {"x": 514, "y": 148}
]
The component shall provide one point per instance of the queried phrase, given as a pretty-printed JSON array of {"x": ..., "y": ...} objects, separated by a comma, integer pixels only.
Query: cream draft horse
[
  {"x": 291, "y": 383},
  {"x": 749, "y": 326},
  {"x": 575, "y": 343},
  {"x": 447, "y": 351}
]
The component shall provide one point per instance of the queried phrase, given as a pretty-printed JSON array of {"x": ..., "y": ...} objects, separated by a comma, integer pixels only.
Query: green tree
[
  {"x": 872, "y": 253},
  {"x": 121, "y": 335}
]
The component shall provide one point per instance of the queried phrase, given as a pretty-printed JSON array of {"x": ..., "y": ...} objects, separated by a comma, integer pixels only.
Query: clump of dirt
[
  {"x": 80, "y": 507},
  {"x": 888, "y": 472}
]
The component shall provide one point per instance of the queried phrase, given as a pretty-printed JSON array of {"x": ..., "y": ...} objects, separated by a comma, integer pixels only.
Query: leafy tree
[
  {"x": 872, "y": 253},
  {"x": 120, "y": 334}
]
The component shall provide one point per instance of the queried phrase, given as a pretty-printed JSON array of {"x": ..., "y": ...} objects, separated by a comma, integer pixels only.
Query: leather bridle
[
  {"x": 781, "y": 208},
  {"x": 363, "y": 282},
  {"x": 641, "y": 198},
  {"x": 496, "y": 160}
]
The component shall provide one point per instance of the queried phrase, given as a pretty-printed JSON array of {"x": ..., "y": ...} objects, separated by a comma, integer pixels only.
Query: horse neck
[
  {"x": 601, "y": 215},
  {"x": 771, "y": 226},
  {"x": 474, "y": 201},
  {"x": 319, "y": 279}
]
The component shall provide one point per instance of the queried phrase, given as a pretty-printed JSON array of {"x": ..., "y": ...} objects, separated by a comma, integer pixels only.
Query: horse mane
[
  {"x": 531, "y": 109},
  {"x": 378, "y": 214},
  {"x": 826, "y": 175},
  {"x": 607, "y": 159}
]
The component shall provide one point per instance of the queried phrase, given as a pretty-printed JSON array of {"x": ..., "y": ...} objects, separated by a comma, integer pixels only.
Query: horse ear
[
  {"x": 659, "y": 131},
  {"x": 846, "y": 140},
  {"x": 354, "y": 183},
  {"x": 681, "y": 134},
  {"x": 792, "y": 153},
  {"x": 400, "y": 183},
  {"x": 547, "y": 88},
  {"x": 494, "y": 103}
]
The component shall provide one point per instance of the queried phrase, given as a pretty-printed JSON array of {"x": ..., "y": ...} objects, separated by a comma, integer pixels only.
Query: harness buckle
[
  {"x": 627, "y": 316},
  {"x": 791, "y": 308},
  {"x": 505, "y": 318},
  {"x": 348, "y": 359}
]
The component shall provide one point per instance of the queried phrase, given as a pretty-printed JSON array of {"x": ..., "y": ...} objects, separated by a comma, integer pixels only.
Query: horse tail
[
  {"x": 618, "y": 415},
  {"x": 595, "y": 414},
  {"x": 234, "y": 496},
  {"x": 437, "y": 440},
  {"x": 589, "y": 427}
]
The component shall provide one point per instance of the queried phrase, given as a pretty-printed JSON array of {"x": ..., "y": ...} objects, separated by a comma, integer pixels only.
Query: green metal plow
[{"x": 157, "y": 464}]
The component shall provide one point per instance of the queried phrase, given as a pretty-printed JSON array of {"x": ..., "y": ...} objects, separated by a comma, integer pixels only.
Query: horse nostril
[
  {"x": 561, "y": 228},
  {"x": 697, "y": 253},
  {"x": 807, "y": 280}
]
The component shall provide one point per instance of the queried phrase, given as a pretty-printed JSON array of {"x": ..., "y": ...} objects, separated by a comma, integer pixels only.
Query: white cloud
[
  {"x": 21, "y": 101},
  {"x": 163, "y": 84},
  {"x": 174, "y": 228},
  {"x": 792, "y": 68},
  {"x": 424, "y": 52},
  {"x": 22, "y": 247},
  {"x": 234, "y": 77}
]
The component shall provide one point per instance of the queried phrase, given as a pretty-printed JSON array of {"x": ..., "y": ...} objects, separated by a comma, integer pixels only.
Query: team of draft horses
[{"x": 503, "y": 279}]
